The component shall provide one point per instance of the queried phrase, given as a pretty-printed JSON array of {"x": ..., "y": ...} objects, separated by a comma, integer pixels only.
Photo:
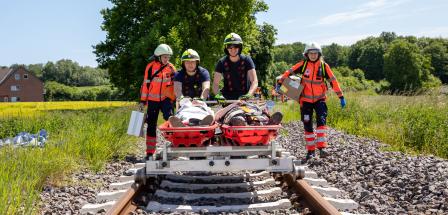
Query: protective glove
[
  {"x": 277, "y": 89},
  {"x": 342, "y": 100},
  {"x": 219, "y": 98},
  {"x": 246, "y": 97},
  {"x": 180, "y": 98}
]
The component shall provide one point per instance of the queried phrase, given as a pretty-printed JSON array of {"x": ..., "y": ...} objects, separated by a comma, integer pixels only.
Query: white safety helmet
[
  {"x": 312, "y": 46},
  {"x": 163, "y": 49}
]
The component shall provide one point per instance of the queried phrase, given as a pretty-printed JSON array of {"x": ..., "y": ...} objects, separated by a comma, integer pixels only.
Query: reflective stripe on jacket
[
  {"x": 161, "y": 86},
  {"x": 313, "y": 80}
]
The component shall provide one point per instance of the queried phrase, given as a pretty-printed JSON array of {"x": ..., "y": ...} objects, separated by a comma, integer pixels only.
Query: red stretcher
[
  {"x": 193, "y": 136},
  {"x": 249, "y": 135}
]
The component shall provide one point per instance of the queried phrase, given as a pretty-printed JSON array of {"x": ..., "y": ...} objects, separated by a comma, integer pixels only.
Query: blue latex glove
[
  {"x": 342, "y": 100},
  {"x": 246, "y": 97},
  {"x": 277, "y": 89}
]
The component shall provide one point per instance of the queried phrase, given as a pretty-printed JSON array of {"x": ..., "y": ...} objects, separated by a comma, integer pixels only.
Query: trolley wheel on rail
[{"x": 299, "y": 172}]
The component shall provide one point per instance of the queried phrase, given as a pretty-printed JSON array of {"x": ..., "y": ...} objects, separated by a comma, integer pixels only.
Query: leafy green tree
[
  {"x": 367, "y": 55},
  {"x": 66, "y": 70},
  {"x": 70, "y": 73},
  {"x": 279, "y": 67},
  {"x": 36, "y": 69},
  {"x": 262, "y": 53},
  {"x": 388, "y": 37},
  {"x": 439, "y": 59},
  {"x": 49, "y": 72},
  {"x": 405, "y": 67},
  {"x": 289, "y": 53},
  {"x": 336, "y": 55},
  {"x": 135, "y": 28}
]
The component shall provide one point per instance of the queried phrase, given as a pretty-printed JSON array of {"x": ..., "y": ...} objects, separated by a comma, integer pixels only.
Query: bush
[
  {"x": 59, "y": 92},
  {"x": 405, "y": 67},
  {"x": 354, "y": 80}
]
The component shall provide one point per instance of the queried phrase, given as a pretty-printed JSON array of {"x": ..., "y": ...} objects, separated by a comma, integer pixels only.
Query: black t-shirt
[
  {"x": 236, "y": 82},
  {"x": 192, "y": 85}
]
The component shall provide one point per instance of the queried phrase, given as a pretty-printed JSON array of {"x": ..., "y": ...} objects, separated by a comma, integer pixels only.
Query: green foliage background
[{"x": 135, "y": 28}]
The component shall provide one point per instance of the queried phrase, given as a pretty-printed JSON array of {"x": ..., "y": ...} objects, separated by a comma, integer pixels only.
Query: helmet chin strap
[{"x": 191, "y": 73}]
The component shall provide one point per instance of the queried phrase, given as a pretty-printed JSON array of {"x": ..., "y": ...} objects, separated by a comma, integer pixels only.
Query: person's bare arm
[
  {"x": 216, "y": 80},
  {"x": 178, "y": 89},
  {"x": 222, "y": 112},
  {"x": 253, "y": 81},
  {"x": 205, "y": 89}
]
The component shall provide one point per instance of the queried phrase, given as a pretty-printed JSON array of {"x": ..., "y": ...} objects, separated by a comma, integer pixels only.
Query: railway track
[{"x": 224, "y": 193}]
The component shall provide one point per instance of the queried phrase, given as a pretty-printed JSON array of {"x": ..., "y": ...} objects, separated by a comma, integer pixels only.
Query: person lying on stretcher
[
  {"x": 243, "y": 113},
  {"x": 192, "y": 112}
]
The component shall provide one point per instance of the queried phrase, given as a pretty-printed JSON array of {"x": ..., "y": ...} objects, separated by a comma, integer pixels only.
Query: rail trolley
[{"x": 220, "y": 148}]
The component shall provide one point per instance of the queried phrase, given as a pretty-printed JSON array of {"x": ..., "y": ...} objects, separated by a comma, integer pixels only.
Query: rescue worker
[
  {"x": 237, "y": 70},
  {"x": 157, "y": 92},
  {"x": 314, "y": 72},
  {"x": 192, "y": 80}
]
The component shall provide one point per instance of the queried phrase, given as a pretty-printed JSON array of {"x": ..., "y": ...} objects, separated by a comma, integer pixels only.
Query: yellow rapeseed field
[{"x": 33, "y": 108}]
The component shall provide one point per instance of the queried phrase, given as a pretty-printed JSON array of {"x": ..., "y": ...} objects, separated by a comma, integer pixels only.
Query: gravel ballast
[{"x": 382, "y": 182}]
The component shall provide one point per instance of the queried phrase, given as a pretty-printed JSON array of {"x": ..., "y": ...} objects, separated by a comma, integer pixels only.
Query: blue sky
[{"x": 50, "y": 30}]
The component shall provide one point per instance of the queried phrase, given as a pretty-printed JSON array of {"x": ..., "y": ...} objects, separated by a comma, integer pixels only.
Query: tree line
[
  {"x": 66, "y": 80},
  {"x": 405, "y": 62},
  {"x": 69, "y": 73},
  {"x": 386, "y": 62}
]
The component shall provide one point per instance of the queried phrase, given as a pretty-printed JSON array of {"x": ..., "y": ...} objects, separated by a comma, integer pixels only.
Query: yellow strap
[{"x": 246, "y": 109}]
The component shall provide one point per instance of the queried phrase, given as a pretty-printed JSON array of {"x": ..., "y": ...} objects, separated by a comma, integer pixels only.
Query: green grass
[
  {"x": 77, "y": 139},
  {"x": 88, "y": 138},
  {"x": 413, "y": 124}
]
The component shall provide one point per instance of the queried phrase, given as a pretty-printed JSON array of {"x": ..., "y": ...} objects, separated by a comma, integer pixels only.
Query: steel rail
[
  {"x": 315, "y": 201},
  {"x": 125, "y": 205}
]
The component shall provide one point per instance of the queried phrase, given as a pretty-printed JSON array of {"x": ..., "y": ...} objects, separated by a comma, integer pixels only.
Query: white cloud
[{"x": 368, "y": 9}]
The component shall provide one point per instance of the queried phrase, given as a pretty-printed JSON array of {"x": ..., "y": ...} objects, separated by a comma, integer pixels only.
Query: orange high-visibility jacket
[
  {"x": 161, "y": 86},
  {"x": 313, "y": 80}
]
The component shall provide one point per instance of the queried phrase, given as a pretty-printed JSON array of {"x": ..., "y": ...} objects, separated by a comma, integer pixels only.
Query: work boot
[
  {"x": 193, "y": 122},
  {"x": 275, "y": 119},
  {"x": 175, "y": 122},
  {"x": 237, "y": 121},
  {"x": 208, "y": 120},
  {"x": 309, "y": 155},
  {"x": 323, "y": 153}
]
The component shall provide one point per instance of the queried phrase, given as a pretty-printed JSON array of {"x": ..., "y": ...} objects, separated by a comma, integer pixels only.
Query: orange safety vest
[
  {"x": 313, "y": 80},
  {"x": 161, "y": 86}
]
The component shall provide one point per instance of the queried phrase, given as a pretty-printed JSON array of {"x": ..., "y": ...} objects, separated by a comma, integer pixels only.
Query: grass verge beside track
[
  {"x": 412, "y": 124},
  {"x": 80, "y": 138}
]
